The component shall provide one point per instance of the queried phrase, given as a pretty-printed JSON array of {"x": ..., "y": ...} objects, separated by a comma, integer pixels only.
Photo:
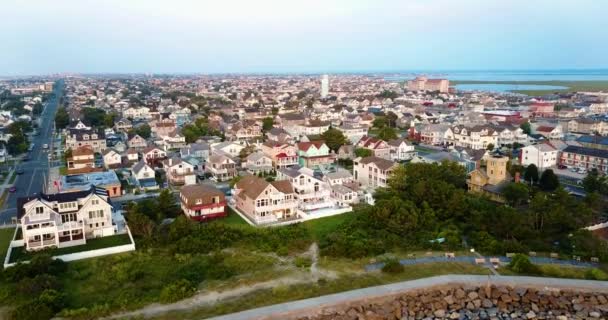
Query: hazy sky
[{"x": 44, "y": 36}]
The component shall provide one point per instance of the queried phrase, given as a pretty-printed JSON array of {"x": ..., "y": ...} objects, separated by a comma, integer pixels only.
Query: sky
[{"x": 283, "y": 36}]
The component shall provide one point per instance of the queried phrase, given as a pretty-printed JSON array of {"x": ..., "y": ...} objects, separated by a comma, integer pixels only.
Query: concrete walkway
[{"x": 293, "y": 309}]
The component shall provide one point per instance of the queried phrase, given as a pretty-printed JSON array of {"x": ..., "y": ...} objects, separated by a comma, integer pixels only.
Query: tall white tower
[{"x": 324, "y": 86}]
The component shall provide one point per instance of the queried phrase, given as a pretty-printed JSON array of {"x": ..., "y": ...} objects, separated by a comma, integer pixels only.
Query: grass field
[
  {"x": 594, "y": 85},
  {"x": 6, "y": 235},
  {"x": 233, "y": 218},
  {"x": 20, "y": 254}
]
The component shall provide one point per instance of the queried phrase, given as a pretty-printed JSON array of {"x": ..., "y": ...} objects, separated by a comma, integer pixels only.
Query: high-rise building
[
  {"x": 324, "y": 86},
  {"x": 426, "y": 84}
]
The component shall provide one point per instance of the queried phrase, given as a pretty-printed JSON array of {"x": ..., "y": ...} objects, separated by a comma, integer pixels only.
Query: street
[{"x": 36, "y": 169}]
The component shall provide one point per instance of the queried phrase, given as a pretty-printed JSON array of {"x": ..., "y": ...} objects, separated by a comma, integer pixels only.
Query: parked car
[
  {"x": 582, "y": 170},
  {"x": 19, "y": 171},
  {"x": 45, "y": 146},
  {"x": 562, "y": 166},
  {"x": 12, "y": 189}
]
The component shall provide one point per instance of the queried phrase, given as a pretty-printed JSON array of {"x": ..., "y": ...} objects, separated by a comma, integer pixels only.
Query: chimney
[{"x": 517, "y": 176}]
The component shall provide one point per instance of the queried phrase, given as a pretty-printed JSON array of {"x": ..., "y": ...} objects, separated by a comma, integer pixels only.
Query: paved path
[{"x": 292, "y": 309}]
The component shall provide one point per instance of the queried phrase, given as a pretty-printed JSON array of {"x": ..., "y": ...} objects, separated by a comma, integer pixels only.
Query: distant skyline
[{"x": 180, "y": 36}]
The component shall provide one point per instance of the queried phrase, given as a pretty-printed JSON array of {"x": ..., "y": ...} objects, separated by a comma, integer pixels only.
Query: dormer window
[
  {"x": 85, "y": 137},
  {"x": 94, "y": 136},
  {"x": 39, "y": 210}
]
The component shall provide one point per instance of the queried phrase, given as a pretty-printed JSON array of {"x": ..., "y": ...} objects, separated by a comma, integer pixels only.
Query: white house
[
  {"x": 542, "y": 155},
  {"x": 65, "y": 219},
  {"x": 400, "y": 150},
  {"x": 111, "y": 158},
  {"x": 145, "y": 175},
  {"x": 179, "y": 172},
  {"x": 372, "y": 172}
]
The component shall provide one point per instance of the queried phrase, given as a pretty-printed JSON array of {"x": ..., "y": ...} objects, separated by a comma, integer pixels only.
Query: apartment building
[
  {"x": 372, "y": 172},
  {"x": 587, "y": 158},
  {"x": 426, "y": 84},
  {"x": 265, "y": 202},
  {"x": 64, "y": 219},
  {"x": 202, "y": 203},
  {"x": 588, "y": 126}
]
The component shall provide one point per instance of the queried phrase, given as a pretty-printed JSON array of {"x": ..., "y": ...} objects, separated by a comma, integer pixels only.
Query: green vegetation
[
  {"x": 6, "y": 235},
  {"x": 62, "y": 118},
  {"x": 284, "y": 293},
  {"x": 20, "y": 254},
  {"x": 143, "y": 131},
  {"x": 200, "y": 128},
  {"x": 572, "y": 86},
  {"x": 18, "y": 142},
  {"x": 13, "y": 178},
  {"x": 334, "y": 138},
  {"x": 392, "y": 266}
]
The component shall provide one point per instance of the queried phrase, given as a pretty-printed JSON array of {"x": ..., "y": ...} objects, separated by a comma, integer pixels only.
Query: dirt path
[{"x": 205, "y": 298}]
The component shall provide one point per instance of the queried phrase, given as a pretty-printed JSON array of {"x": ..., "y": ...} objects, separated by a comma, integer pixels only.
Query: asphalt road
[{"x": 36, "y": 169}]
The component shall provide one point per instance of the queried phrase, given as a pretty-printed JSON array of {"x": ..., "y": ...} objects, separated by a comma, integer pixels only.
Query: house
[
  {"x": 340, "y": 176},
  {"x": 586, "y": 158},
  {"x": 542, "y": 109},
  {"x": 136, "y": 141},
  {"x": 154, "y": 156},
  {"x": 311, "y": 191},
  {"x": 81, "y": 137},
  {"x": 542, "y": 155},
  {"x": 353, "y": 132},
  {"x": 111, "y": 159},
  {"x": 477, "y": 137},
  {"x": 244, "y": 130},
  {"x": 378, "y": 147},
  {"x": 491, "y": 180},
  {"x": 196, "y": 150},
  {"x": 173, "y": 140},
  {"x": 401, "y": 150},
  {"x": 179, "y": 172},
  {"x": 107, "y": 180},
  {"x": 373, "y": 172},
  {"x": 265, "y": 202},
  {"x": 123, "y": 125},
  {"x": 258, "y": 162},
  {"x": 221, "y": 167},
  {"x": 231, "y": 148},
  {"x": 551, "y": 132},
  {"x": 343, "y": 195},
  {"x": 144, "y": 175},
  {"x": 131, "y": 156},
  {"x": 279, "y": 134},
  {"x": 346, "y": 151},
  {"x": 82, "y": 160},
  {"x": 433, "y": 134},
  {"x": 64, "y": 219},
  {"x": 163, "y": 125},
  {"x": 137, "y": 113},
  {"x": 509, "y": 136},
  {"x": 202, "y": 203},
  {"x": 283, "y": 154},
  {"x": 315, "y": 155}
]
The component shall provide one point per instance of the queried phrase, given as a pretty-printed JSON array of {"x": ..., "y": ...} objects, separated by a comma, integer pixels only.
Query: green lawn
[
  {"x": 6, "y": 235},
  {"x": 13, "y": 178},
  {"x": 322, "y": 226},
  {"x": 233, "y": 218},
  {"x": 20, "y": 254}
]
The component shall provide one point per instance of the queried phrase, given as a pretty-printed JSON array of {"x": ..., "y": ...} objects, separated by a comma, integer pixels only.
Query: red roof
[
  {"x": 545, "y": 129},
  {"x": 306, "y": 145}
]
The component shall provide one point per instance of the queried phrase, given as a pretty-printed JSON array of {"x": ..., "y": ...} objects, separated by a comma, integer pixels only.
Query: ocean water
[{"x": 506, "y": 75}]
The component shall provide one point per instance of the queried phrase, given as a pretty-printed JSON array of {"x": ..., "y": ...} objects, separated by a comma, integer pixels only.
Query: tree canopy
[{"x": 334, "y": 138}]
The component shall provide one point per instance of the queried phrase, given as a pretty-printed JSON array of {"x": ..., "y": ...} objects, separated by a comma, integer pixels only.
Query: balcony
[{"x": 70, "y": 225}]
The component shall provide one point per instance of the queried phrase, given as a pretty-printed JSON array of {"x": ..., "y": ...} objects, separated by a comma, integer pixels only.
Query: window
[
  {"x": 95, "y": 202},
  {"x": 39, "y": 210}
]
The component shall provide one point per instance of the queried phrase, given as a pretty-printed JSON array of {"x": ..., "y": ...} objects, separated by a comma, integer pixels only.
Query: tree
[
  {"x": 526, "y": 127},
  {"x": 387, "y": 133},
  {"x": 334, "y": 138},
  {"x": 379, "y": 122},
  {"x": 275, "y": 111},
  {"x": 191, "y": 132},
  {"x": 516, "y": 193},
  {"x": 490, "y": 146},
  {"x": 531, "y": 174},
  {"x": 548, "y": 181},
  {"x": 167, "y": 205},
  {"x": 62, "y": 118},
  {"x": 93, "y": 116},
  {"x": 593, "y": 182},
  {"x": 109, "y": 119},
  {"x": 18, "y": 142},
  {"x": 144, "y": 131},
  {"x": 37, "y": 108},
  {"x": 363, "y": 152},
  {"x": 267, "y": 124},
  {"x": 391, "y": 119}
]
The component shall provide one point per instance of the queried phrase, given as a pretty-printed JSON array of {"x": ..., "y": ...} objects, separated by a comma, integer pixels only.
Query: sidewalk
[{"x": 295, "y": 309}]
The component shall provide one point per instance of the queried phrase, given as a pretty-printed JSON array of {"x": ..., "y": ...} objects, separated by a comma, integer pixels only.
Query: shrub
[
  {"x": 302, "y": 262},
  {"x": 392, "y": 266},
  {"x": 177, "y": 291},
  {"x": 521, "y": 264},
  {"x": 596, "y": 274}
]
